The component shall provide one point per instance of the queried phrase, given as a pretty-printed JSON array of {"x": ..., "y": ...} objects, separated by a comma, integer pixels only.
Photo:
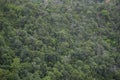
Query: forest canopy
[{"x": 59, "y": 40}]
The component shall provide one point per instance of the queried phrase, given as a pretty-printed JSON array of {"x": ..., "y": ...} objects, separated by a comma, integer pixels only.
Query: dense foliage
[{"x": 59, "y": 40}]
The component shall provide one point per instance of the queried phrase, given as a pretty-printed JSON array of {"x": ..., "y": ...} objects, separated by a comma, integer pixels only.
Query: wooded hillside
[{"x": 59, "y": 40}]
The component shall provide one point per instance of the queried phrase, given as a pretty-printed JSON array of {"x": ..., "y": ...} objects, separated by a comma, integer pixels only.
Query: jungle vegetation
[{"x": 59, "y": 40}]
